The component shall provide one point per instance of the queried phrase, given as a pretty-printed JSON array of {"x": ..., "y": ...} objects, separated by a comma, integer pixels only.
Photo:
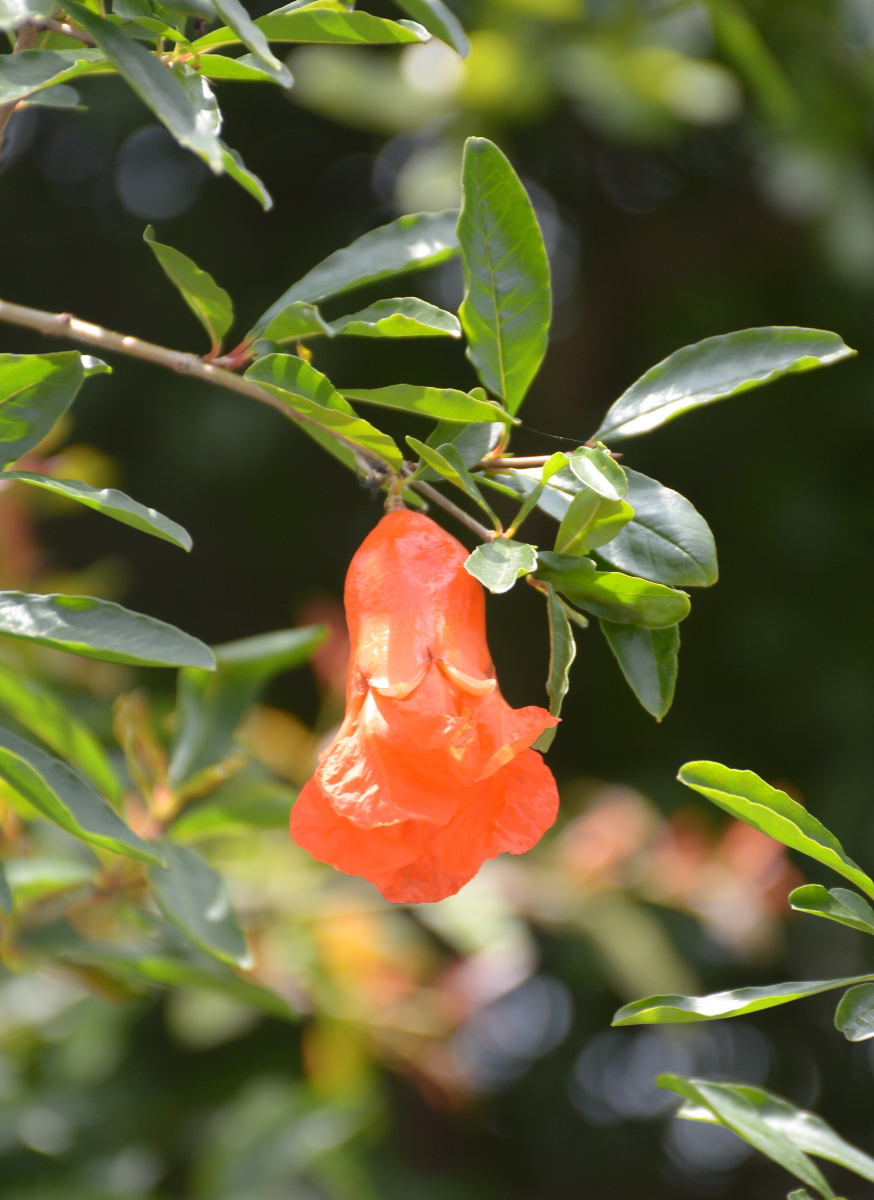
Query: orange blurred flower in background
[{"x": 430, "y": 773}]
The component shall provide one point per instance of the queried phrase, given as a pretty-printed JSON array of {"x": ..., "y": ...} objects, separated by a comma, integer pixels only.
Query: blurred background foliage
[{"x": 697, "y": 168}]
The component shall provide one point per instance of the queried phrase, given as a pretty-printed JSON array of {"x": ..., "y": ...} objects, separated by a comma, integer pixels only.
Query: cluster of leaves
[{"x": 768, "y": 1122}]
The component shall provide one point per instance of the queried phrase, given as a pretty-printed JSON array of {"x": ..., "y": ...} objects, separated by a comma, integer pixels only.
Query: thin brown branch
[
  {"x": 64, "y": 325},
  {"x": 484, "y": 535},
  {"x": 501, "y": 464},
  {"x": 48, "y": 23}
]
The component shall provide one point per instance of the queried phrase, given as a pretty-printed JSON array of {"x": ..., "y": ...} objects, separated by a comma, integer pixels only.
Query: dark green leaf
[
  {"x": 507, "y": 304},
  {"x": 731, "y": 1108},
  {"x": 447, "y": 461},
  {"x": 54, "y": 97},
  {"x": 248, "y": 68},
  {"x": 500, "y": 563},
  {"x": 109, "y": 502},
  {"x": 323, "y": 21},
  {"x": 446, "y": 404},
  {"x": 562, "y": 652},
  {"x": 715, "y": 368},
  {"x": 855, "y": 1014},
  {"x": 6, "y": 901},
  {"x": 594, "y": 467},
  {"x": 404, "y": 317},
  {"x": 212, "y": 704},
  {"x": 439, "y": 20},
  {"x": 240, "y": 806},
  {"x": 313, "y": 398},
  {"x": 33, "y": 879},
  {"x": 648, "y": 658},
  {"x": 667, "y": 541},
  {"x": 25, "y": 72},
  {"x": 194, "y": 898},
  {"x": 36, "y": 708},
  {"x": 745, "y": 795},
  {"x": 35, "y": 391},
  {"x": 838, "y": 904},
  {"x": 609, "y": 594},
  {"x": 557, "y": 462},
  {"x": 158, "y": 86},
  {"x": 591, "y": 521},
  {"x": 99, "y": 629},
  {"x": 808, "y": 1132},
  {"x": 295, "y": 321},
  {"x": 210, "y": 304},
  {"x": 237, "y": 19},
  {"x": 473, "y": 442},
  {"x": 64, "y": 797},
  {"x": 407, "y": 244}
]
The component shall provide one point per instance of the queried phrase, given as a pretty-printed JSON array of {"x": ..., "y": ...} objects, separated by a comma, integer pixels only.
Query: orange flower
[{"x": 430, "y": 773}]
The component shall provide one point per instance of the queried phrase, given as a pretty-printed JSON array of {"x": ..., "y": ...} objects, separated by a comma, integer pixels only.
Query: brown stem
[
  {"x": 26, "y": 40},
  {"x": 501, "y": 464},
  {"x": 484, "y": 535},
  {"x": 67, "y": 326},
  {"x": 47, "y": 23}
]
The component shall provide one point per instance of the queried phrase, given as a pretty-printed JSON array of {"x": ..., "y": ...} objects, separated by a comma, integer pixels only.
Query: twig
[
  {"x": 484, "y": 535},
  {"x": 499, "y": 464},
  {"x": 67, "y": 326},
  {"x": 48, "y": 23}
]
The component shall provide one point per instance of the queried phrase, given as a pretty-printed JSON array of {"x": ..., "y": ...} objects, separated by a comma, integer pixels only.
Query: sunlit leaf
[
  {"x": 23, "y": 73},
  {"x": 854, "y": 1016},
  {"x": 609, "y": 594},
  {"x": 766, "y": 808},
  {"x": 64, "y": 797},
  {"x": 447, "y": 461},
  {"x": 446, "y": 404},
  {"x": 440, "y": 20},
  {"x": 404, "y": 317},
  {"x": 323, "y": 21},
  {"x": 648, "y": 659},
  {"x": 594, "y": 467},
  {"x": 498, "y": 564},
  {"x": 660, "y": 1010},
  {"x": 237, "y": 19},
  {"x": 562, "y": 652},
  {"x": 590, "y": 522},
  {"x": 35, "y": 390},
  {"x": 194, "y": 898},
  {"x": 473, "y": 442},
  {"x": 210, "y": 304},
  {"x": 555, "y": 463},
  {"x": 838, "y": 904},
  {"x": 407, "y": 244},
  {"x": 507, "y": 303},
  {"x": 248, "y": 68},
  {"x": 99, "y": 629},
  {"x": 15, "y": 12},
  {"x": 295, "y": 321},
  {"x": 240, "y": 173},
  {"x": 110, "y": 502},
  {"x": 715, "y": 368}
]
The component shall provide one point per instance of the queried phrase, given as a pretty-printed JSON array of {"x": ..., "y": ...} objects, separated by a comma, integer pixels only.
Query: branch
[
  {"x": 484, "y": 535},
  {"x": 501, "y": 464},
  {"x": 66, "y": 326}
]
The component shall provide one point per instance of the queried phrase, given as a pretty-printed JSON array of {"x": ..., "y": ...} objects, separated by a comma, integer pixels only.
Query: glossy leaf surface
[
  {"x": 110, "y": 502},
  {"x": 446, "y": 404},
  {"x": 406, "y": 316},
  {"x": 248, "y": 180},
  {"x": 660, "y": 1010},
  {"x": 295, "y": 321},
  {"x": 837, "y": 904},
  {"x": 210, "y": 304},
  {"x": 64, "y": 797},
  {"x": 440, "y": 20},
  {"x": 448, "y": 463},
  {"x": 745, "y": 795},
  {"x": 498, "y": 564},
  {"x": 23, "y": 73},
  {"x": 407, "y": 244},
  {"x": 99, "y": 629},
  {"x": 248, "y": 68},
  {"x": 507, "y": 304},
  {"x": 323, "y": 21},
  {"x": 648, "y": 660},
  {"x": 714, "y": 369},
  {"x": 594, "y": 467},
  {"x": 35, "y": 391},
  {"x": 667, "y": 540},
  {"x": 557, "y": 462},
  {"x": 194, "y": 898},
  {"x": 251, "y": 35},
  {"x": 562, "y": 652},
  {"x": 590, "y": 521},
  {"x": 854, "y": 1016},
  {"x": 609, "y": 594}
]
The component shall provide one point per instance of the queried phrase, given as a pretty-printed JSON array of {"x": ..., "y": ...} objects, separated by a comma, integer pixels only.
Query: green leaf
[
  {"x": 440, "y": 20},
  {"x": 54, "y": 97},
  {"x": 194, "y": 898},
  {"x": 446, "y": 404},
  {"x": 212, "y": 704},
  {"x": 313, "y": 398},
  {"x": 507, "y": 303},
  {"x": 35, "y": 391},
  {"x": 609, "y": 594},
  {"x": 838, "y": 904},
  {"x": 109, "y": 502},
  {"x": 65, "y": 798},
  {"x": 251, "y": 35},
  {"x": 248, "y": 68},
  {"x": 648, "y": 658},
  {"x": 295, "y": 321},
  {"x": 158, "y": 86},
  {"x": 855, "y": 1014},
  {"x": 15, "y": 12},
  {"x": 557, "y": 462},
  {"x": 715, "y": 368},
  {"x": 241, "y": 806},
  {"x": 323, "y": 21},
  {"x": 447, "y": 461},
  {"x": 34, "y": 879},
  {"x": 730, "y": 1107},
  {"x": 404, "y": 317},
  {"x": 591, "y": 521},
  {"x": 210, "y": 304},
  {"x": 99, "y": 629},
  {"x": 667, "y": 541},
  {"x": 500, "y": 563},
  {"x": 407, "y": 244},
  {"x": 594, "y": 467},
  {"x": 808, "y": 1132},
  {"x": 473, "y": 442},
  {"x": 562, "y": 652},
  {"x": 6, "y": 901},
  {"x": 37, "y": 709},
  {"x": 27, "y": 71},
  {"x": 799, "y": 1194},
  {"x": 237, "y": 170},
  {"x": 745, "y": 795}
]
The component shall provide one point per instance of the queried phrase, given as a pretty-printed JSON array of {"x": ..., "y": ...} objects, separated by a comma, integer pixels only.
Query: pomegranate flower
[{"x": 430, "y": 773}]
